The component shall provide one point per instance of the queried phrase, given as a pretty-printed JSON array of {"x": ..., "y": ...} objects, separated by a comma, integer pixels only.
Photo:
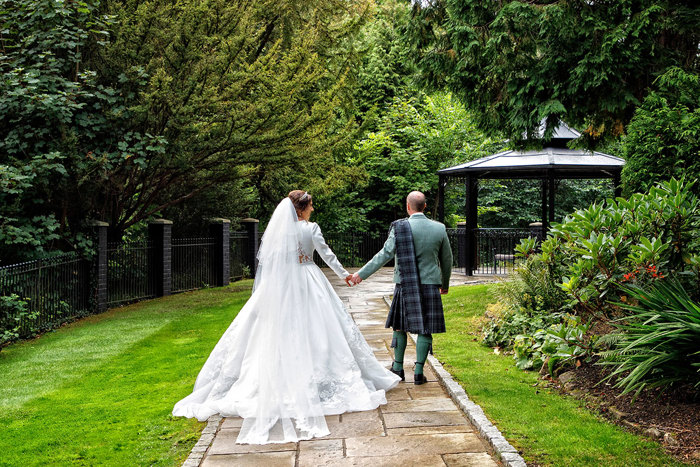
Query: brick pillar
[
  {"x": 99, "y": 229},
  {"x": 220, "y": 229},
  {"x": 161, "y": 271},
  {"x": 251, "y": 251}
]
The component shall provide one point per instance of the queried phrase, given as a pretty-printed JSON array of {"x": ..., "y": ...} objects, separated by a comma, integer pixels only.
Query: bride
[{"x": 293, "y": 354}]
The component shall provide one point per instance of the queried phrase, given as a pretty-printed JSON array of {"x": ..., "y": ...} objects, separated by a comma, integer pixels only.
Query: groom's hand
[
  {"x": 356, "y": 279},
  {"x": 444, "y": 291},
  {"x": 348, "y": 280}
]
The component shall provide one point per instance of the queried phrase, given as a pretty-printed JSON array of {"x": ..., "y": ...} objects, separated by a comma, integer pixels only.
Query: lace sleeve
[{"x": 326, "y": 253}]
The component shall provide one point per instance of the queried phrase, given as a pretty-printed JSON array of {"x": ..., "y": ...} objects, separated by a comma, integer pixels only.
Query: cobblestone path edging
[{"x": 507, "y": 453}]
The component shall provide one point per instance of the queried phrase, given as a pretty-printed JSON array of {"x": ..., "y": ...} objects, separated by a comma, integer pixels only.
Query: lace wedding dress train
[{"x": 293, "y": 354}]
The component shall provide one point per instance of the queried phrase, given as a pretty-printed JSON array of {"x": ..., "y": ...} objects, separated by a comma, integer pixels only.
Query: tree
[
  {"x": 415, "y": 138},
  {"x": 589, "y": 63},
  {"x": 121, "y": 118},
  {"x": 663, "y": 139}
]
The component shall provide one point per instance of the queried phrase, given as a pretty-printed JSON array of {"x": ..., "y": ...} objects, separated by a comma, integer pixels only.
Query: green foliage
[
  {"x": 13, "y": 311},
  {"x": 119, "y": 110},
  {"x": 557, "y": 346},
  {"x": 642, "y": 238},
  {"x": 415, "y": 138},
  {"x": 657, "y": 344},
  {"x": 517, "y": 63},
  {"x": 663, "y": 138}
]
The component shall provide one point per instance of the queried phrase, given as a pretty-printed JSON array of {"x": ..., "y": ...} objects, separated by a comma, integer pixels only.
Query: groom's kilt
[{"x": 433, "y": 316}]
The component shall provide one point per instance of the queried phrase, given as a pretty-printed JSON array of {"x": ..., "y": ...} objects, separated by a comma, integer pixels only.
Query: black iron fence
[
  {"x": 237, "y": 256},
  {"x": 193, "y": 263},
  {"x": 493, "y": 249},
  {"x": 353, "y": 249},
  {"x": 38, "y": 295},
  {"x": 128, "y": 272},
  {"x": 41, "y": 294}
]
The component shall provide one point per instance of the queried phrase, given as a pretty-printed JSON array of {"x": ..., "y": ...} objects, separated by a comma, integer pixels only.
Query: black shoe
[
  {"x": 399, "y": 373},
  {"x": 419, "y": 379}
]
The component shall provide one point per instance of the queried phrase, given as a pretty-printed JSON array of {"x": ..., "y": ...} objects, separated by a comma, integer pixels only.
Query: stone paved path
[{"x": 420, "y": 425}]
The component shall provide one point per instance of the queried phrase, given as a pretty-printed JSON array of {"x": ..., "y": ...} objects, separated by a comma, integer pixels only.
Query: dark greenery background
[{"x": 126, "y": 111}]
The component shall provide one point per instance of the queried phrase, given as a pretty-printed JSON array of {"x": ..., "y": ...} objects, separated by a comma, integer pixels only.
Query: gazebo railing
[{"x": 493, "y": 249}]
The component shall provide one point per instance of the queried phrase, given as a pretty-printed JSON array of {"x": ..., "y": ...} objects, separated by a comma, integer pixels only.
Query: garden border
[{"x": 505, "y": 451}]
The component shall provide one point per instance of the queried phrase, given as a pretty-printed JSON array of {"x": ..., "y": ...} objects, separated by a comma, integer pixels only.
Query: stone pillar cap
[
  {"x": 161, "y": 221},
  {"x": 219, "y": 220},
  {"x": 535, "y": 224},
  {"x": 249, "y": 219},
  {"x": 96, "y": 223}
]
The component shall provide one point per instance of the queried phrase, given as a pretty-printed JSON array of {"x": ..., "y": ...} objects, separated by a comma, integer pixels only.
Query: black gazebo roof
[
  {"x": 561, "y": 162},
  {"x": 554, "y": 159}
]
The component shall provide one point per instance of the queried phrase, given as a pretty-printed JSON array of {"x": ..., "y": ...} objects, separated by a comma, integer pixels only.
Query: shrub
[
  {"x": 13, "y": 310},
  {"x": 640, "y": 239},
  {"x": 658, "y": 344}
]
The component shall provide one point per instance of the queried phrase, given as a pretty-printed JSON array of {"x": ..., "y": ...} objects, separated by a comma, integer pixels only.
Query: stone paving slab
[{"x": 419, "y": 425}]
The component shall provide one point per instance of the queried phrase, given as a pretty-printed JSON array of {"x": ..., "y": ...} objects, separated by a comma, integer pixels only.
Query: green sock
[
  {"x": 423, "y": 345},
  {"x": 399, "y": 344}
]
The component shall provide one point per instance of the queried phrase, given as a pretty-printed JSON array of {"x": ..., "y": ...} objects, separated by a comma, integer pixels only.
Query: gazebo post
[
  {"x": 616, "y": 184},
  {"x": 552, "y": 194},
  {"x": 441, "y": 199},
  {"x": 470, "y": 245}
]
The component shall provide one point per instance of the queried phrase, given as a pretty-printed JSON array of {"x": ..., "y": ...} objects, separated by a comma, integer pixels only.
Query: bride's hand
[{"x": 348, "y": 280}]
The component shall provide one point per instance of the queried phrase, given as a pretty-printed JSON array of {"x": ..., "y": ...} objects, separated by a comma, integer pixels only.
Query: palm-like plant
[{"x": 658, "y": 345}]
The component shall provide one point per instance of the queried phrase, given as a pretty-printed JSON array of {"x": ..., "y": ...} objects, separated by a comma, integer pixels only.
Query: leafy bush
[
  {"x": 557, "y": 346},
  {"x": 658, "y": 344},
  {"x": 640, "y": 239},
  {"x": 13, "y": 310},
  {"x": 663, "y": 138}
]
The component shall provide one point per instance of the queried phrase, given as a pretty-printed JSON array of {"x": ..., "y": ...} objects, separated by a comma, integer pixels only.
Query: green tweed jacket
[{"x": 433, "y": 253}]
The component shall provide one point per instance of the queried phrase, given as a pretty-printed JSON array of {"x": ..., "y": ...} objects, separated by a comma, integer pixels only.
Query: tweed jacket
[{"x": 432, "y": 248}]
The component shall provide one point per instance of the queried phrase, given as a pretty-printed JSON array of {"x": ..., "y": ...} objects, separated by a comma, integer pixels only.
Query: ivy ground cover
[
  {"x": 549, "y": 429},
  {"x": 101, "y": 390}
]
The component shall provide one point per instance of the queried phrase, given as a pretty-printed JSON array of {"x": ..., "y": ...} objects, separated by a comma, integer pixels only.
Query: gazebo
[{"x": 549, "y": 164}]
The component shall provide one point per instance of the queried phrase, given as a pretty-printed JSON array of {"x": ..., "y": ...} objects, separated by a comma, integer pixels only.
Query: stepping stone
[
  {"x": 270, "y": 459},
  {"x": 420, "y": 405},
  {"x": 429, "y": 430},
  {"x": 225, "y": 443},
  {"x": 320, "y": 452},
  {"x": 469, "y": 459},
  {"x": 410, "y": 445},
  {"x": 412, "y": 419}
]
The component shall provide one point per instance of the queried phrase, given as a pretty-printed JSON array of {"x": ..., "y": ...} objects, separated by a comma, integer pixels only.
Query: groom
[{"x": 421, "y": 273}]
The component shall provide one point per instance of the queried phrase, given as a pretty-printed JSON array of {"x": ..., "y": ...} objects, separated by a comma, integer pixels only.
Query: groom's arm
[
  {"x": 445, "y": 261},
  {"x": 380, "y": 259}
]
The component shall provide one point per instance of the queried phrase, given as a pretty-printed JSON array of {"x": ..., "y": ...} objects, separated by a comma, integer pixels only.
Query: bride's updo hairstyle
[{"x": 300, "y": 199}]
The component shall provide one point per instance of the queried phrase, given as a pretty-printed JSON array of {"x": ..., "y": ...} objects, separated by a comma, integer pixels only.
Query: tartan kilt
[{"x": 433, "y": 315}]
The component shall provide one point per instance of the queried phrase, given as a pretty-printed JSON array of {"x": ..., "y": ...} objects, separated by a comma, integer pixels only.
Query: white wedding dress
[{"x": 293, "y": 354}]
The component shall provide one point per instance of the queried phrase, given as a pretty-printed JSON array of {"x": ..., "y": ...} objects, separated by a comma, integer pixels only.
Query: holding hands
[{"x": 353, "y": 279}]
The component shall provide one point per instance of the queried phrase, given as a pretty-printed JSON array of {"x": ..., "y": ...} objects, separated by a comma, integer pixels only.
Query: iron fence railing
[
  {"x": 238, "y": 241},
  {"x": 54, "y": 290},
  {"x": 353, "y": 249},
  {"x": 128, "y": 272},
  {"x": 493, "y": 249},
  {"x": 496, "y": 250},
  {"x": 193, "y": 263}
]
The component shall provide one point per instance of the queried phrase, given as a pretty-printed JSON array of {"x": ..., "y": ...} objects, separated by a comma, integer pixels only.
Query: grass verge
[
  {"x": 100, "y": 391},
  {"x": 549, "y": 429}
]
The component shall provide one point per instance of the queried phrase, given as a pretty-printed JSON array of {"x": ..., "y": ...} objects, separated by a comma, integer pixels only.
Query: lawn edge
[
  {"x": 491, "y": 434},
  {"x": 194, "y": 459}
]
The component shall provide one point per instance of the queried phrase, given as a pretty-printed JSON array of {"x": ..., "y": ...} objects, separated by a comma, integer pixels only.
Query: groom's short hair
[{"x": 416, "y": 200}]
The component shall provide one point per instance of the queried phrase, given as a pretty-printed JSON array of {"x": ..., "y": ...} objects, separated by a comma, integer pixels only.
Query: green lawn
[
  {"x": 100, "y": 391},
  {"x": 548, "y": 428}
]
